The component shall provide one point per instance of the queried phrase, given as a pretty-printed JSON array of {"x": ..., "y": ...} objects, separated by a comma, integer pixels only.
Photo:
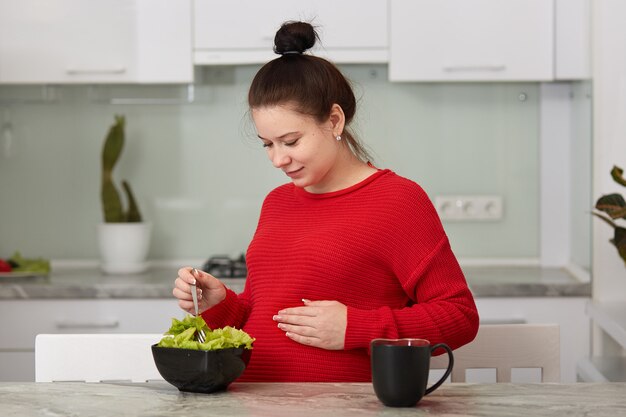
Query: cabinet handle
[
  {"x": 474, "y": 68},
  {"x": 101, "y": 324},
  {"x": 78, "y": 71}
]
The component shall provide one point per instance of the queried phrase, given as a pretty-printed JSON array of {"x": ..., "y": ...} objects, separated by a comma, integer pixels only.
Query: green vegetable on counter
[
  {"x": 183, "y": 334},
  {"x": 34, "y": 265}
]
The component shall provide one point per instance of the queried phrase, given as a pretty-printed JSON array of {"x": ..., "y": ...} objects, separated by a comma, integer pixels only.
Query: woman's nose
[{"x": 279, "y": 158}]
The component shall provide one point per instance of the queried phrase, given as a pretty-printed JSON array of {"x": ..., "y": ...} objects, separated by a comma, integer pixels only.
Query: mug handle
[{"x": 448, "y": 371}]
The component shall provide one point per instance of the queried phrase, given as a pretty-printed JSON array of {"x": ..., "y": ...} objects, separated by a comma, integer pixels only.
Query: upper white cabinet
[
  {"x": 573, "y": 40},
  {"x": 242, "y": 31},
  {"x": 101, "y": 41},
  {"x": 471, "y": 40}
]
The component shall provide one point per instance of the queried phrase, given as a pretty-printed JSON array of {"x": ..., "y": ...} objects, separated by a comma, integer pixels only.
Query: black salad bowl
[{"x": 199, "y": 370}]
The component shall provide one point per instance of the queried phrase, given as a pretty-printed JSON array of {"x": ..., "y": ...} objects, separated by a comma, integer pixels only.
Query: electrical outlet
[{"x": 469, "y": 207}]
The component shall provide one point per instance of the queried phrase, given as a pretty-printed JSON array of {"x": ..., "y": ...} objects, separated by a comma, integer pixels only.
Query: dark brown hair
[{"x": 312, "y": 84}]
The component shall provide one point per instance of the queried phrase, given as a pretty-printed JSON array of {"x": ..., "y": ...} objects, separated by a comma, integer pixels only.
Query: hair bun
[{"x": 294, "y": 38}]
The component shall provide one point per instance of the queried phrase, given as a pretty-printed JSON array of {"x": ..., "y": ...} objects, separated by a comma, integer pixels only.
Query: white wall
[{"x": 609, "y": 133}]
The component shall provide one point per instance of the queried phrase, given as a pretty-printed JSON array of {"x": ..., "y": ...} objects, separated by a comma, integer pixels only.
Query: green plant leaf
[
  {"x": 619, "y": 240},
  {"x": 613, "y": 205},
  {"x": 111, "y": 203},
  {"x": 615, "y": 208},
  {"x": 132, "y": 214},
  {"x": 112, "y": 206},
  {"x": 605, "y": 219},
  {"x": 113, "y": 144},
  {"x": 618, "y": 175}
]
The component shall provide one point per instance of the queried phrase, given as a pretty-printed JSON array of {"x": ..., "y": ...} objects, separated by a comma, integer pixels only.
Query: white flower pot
[{"x": 124, "y": 247}]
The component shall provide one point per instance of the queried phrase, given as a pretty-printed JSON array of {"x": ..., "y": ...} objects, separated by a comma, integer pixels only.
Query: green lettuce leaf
[{"x": 183, "y": 334}]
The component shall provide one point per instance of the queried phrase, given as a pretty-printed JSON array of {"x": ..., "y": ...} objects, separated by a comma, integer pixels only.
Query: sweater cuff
[
  {"x": 221, "y": 314},
  {"x": 364, "y": 326}
]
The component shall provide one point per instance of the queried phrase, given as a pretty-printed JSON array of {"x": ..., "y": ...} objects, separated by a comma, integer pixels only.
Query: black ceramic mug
[{"x": 400, "y": 370}]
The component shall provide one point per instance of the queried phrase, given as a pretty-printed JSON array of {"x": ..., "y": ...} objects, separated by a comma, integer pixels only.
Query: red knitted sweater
[{"x": 378, "y": 247}]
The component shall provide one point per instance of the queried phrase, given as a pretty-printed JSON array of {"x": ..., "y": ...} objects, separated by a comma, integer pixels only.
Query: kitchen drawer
[{"x": 22, "y": 320}]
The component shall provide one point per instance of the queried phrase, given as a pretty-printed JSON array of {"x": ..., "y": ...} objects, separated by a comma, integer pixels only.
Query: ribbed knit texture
[{"x": 378, "y": 247}]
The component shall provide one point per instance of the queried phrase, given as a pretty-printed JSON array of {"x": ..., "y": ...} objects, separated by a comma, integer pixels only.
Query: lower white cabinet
[
  {"x": 22, "y": 320},
  {"x": 568, "y": 312}
]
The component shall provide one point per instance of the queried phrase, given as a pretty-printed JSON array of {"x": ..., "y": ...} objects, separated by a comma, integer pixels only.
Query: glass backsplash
[{"x": 200, "y": 174}]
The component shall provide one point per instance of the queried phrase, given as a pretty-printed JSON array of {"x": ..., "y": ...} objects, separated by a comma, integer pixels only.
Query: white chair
[
  {"x": 506, "y": 346},
  {"x": 95, "y": 357}
]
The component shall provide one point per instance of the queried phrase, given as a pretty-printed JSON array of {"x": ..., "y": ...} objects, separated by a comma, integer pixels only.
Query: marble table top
[
  {"x": 308, "y": 399},
  {"x": 89, "y": 283}
]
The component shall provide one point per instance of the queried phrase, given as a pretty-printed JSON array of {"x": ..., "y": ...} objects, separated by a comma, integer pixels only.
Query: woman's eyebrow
[{"x": 281, "y": 136}]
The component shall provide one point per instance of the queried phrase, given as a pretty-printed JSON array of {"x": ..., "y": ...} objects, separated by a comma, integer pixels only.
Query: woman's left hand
[{"x": 318, "y": 323}]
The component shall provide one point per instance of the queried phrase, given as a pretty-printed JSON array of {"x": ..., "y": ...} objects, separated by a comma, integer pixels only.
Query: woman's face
[{"x": 305, "y": 150}]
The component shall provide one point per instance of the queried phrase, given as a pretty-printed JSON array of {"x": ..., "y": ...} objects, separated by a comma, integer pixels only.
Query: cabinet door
[
  {"x": 164, "y": 43},
  {"x": 350, "y": 30},
  {"x": 573, "y": 40},
  {"x": 24, "y": 319},
  {"x": 471, "y": 40},
  {"x": 112, "y": 41}
]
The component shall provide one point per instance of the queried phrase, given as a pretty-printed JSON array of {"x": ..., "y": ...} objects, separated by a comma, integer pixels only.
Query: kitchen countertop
[
  {"x": 87, "y": 283},
  {"x": 524, "y": 281},
  {"x": 308, "y": 399}
]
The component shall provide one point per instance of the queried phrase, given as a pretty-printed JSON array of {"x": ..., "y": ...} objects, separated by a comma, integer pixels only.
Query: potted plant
[
  {"x": 612, "y": 207},
  {"x": 123, "y": 237}
]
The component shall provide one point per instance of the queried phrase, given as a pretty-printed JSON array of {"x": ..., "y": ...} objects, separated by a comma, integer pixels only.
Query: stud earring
[{"x": 338, "y": 137}]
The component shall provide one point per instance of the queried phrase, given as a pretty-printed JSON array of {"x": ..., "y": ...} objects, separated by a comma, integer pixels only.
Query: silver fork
[{"x": 194, "y": 296}]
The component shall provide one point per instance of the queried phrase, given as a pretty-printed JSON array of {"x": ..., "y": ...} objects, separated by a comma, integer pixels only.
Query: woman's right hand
[{"x": 210, "y": 290}]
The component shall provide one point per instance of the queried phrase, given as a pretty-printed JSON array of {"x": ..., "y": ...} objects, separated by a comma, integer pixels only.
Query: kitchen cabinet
[
  {"x": 567, "y": 312},
  {"x": 572, "y": 40},
  {"x": 112, "y": 41},
  {"x": 22, "y": 320},
  {"x": 351, "y": 31},
  {"x": 471, "y": 40}
]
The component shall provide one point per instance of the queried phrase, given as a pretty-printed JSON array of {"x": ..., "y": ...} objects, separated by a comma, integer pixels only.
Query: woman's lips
[{"x": 294, "y": 173}]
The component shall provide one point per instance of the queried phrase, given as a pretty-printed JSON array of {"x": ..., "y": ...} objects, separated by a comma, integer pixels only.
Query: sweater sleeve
[
  {"x": 232, "y": 311},
  {"x": 441, "y": 307},
  {"x": 444, "y": 311}
]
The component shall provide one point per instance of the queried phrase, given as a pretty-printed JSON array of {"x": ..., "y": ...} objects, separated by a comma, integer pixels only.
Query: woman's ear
[{"x": 337, "y": 119}]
